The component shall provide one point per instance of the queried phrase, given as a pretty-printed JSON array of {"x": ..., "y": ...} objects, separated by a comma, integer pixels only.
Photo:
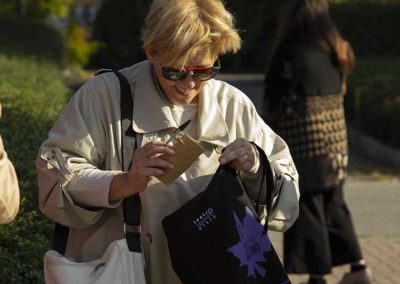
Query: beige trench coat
[
  {"x": 9, "y": 190},
  {"x": 82, "y": 153}
]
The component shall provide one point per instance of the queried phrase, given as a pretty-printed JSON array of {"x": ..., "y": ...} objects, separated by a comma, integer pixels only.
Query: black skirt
[{"x": 323, "y": 236}]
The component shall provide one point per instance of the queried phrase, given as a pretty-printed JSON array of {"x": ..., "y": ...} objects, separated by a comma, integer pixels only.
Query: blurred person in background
[
  {"x": 305, "y": 87},
  {"x": 9, "y": 190}
]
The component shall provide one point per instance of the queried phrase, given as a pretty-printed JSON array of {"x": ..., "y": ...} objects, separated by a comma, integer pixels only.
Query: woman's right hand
[{"x": 147, "y": 162}]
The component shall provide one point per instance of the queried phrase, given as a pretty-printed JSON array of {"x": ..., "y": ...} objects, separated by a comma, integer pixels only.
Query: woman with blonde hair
[
  {"x": 183, "y": 40},
  {"x": 305, "y": 87}
]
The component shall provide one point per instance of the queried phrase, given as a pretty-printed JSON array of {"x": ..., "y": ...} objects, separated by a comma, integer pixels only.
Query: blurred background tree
[
  {"x": 119, "y": 38},
  {"x": 38, "y": 9},
  {"x": 368, "y": 24}
]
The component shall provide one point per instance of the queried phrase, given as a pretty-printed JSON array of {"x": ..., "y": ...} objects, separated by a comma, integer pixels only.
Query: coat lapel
[
  {"x": 150, "y": 112},
  {"x": 212, "y": 127}
]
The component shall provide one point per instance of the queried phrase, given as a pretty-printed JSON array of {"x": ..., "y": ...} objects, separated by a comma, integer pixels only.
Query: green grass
[
  {"x": 32, "y": 38},
  {"x": 371, "y": 105},
  {"x": 32, "y": 94},
  {"x": 379, "y": 2},
  {"x": 373, "y": 98},
  {"x": 375, "y": 67}
]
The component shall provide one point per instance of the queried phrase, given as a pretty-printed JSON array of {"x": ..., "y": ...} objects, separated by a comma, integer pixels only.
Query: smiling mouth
[{"x": 183, "y": 91}]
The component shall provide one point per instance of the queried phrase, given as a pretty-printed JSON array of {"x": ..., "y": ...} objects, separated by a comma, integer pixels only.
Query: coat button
[{"x": 218, "y": 149}]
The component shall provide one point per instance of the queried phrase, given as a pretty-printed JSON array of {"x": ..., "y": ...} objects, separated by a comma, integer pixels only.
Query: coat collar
[
  {"x": 212, "y": 127},
  {"x": 152, "y": 113}
]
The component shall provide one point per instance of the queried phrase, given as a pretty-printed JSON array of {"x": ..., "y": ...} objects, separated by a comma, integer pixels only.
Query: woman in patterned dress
[{"x": 305, "y": 87}]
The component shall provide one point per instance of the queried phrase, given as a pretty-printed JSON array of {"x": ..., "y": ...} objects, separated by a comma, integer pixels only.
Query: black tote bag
[{"x": 216, "y": 237}]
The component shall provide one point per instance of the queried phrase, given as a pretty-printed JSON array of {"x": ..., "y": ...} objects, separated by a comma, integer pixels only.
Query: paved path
[{"x": 375, "y": 206}]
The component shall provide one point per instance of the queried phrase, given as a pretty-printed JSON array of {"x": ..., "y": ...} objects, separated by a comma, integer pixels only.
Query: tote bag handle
[{"x": 267, "y": 179}]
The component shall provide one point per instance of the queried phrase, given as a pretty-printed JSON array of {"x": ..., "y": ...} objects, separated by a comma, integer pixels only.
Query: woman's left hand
[{"x": 240, "y": 154}]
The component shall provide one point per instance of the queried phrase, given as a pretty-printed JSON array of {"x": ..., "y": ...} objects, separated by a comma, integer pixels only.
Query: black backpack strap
[
  {"x": 131, "y": 205},
  {"x": 60, "y": 238},
  {"x": 268, "y": 178}
]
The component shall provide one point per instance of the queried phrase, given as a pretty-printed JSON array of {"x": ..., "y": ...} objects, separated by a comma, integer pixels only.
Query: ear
[{"x": 149, "y": 53}]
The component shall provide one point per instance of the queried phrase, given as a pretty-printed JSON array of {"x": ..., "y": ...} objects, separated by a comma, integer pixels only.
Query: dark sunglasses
[{"x": 198, "y": 73}]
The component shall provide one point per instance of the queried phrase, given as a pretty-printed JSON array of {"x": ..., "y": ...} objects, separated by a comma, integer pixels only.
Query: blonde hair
[{"x": 178, "y": 30}]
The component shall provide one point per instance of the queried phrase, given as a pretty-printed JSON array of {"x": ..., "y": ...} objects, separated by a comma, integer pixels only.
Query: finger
[
  {"x": 151, "y": 167},
  {"x": 235, "y": 150},
  {"x": 246, "y": 166},
  {"x": 158, "y": 162},
  {"x": 233, "y": 146},
  {"x": 243, "y": 158},
  {"x": 152, "y": 149},
  {"x": 151, "y": 172},
  {"x": 231, "y": 155},
  {"x": 241, "y": 165}
]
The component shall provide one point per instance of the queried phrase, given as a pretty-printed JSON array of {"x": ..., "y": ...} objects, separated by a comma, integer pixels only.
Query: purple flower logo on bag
[{"x": 252, "y": 245}]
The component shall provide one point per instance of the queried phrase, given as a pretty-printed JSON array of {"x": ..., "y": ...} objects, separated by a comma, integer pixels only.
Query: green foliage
[
  {"x": 257, "y": 22},
  {"x": 370, "y": 26},
  {"x": 37, "y": 9},
  {"x": 32, "y": 94},
  {"x": 380, "y": 2},
  {"x": 78, "y": 48},
  {"x": 42, "y": 8},
  {"x": 26, "y": 37},
  {"x": 373, "y": 98},
  {"x": 8, "y": 7}
]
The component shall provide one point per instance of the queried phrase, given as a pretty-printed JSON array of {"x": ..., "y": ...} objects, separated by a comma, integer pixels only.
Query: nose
[{"x": 189, "y": 82}]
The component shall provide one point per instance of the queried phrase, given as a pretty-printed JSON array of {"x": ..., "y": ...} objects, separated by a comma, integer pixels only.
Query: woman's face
[{"x": 185, "y": 91}]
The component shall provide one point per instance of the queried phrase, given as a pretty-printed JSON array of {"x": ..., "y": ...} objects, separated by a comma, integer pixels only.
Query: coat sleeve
[
  {"x": 285, "y": 205},
  {"x": 73, "y": 181},
  {"x": 9, "y": 190}
]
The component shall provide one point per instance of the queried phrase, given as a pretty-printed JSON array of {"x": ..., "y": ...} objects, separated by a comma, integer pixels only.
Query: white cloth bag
[{"x": 118, "y": 265}]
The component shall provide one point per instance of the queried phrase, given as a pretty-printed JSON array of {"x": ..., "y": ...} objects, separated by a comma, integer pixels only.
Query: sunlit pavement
[{"x": 375, "y": 207}]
